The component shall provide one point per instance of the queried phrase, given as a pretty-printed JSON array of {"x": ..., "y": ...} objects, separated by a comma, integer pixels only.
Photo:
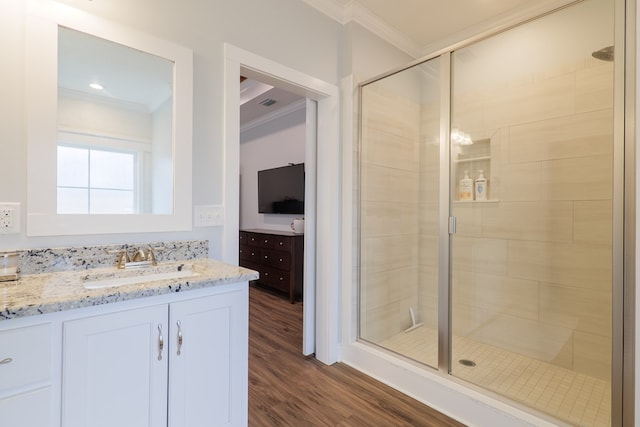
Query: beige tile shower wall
[
  {"x": 389, "y": 212},
  {"x": 429, "y": 212},
  {"x": 532, "y": 271}
]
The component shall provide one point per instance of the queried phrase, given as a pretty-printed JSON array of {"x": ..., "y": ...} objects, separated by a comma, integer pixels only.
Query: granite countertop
[{"x": 42, "y": 293}]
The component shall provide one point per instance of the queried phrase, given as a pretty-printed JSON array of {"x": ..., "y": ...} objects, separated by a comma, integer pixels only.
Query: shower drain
[{"x": 467, "y": 362}]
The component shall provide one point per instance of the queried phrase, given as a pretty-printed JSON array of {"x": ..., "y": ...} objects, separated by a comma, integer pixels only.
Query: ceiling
[
  {"x": 253, "y": 95},
  {"x": 414, "y": 26},
  {"x": 420, "y": 27},
  {"x": 127, "y": 76},
  {"x": 425, "y": 21}
]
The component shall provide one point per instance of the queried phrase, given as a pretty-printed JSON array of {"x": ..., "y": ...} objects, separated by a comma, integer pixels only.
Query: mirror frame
[{"x": 43, "y": 19}]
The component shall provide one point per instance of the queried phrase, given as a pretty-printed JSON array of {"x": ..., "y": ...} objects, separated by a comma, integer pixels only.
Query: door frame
[{"x": 328, "y": 191}]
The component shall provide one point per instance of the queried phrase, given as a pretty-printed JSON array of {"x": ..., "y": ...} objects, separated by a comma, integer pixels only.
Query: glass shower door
[
  {"x": 532, "y": 177},
  {"x": 400, "y": 176}
]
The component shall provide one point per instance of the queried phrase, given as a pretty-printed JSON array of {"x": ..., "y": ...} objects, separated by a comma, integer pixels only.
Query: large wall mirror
[{"x": 109, "y": 127}]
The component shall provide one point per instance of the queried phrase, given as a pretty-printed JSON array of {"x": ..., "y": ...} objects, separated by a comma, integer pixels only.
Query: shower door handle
[{"x": 453, "y": 224}]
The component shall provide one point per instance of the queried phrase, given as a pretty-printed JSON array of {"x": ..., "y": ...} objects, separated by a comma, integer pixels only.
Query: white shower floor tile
[{"x": 573, "y": 397}]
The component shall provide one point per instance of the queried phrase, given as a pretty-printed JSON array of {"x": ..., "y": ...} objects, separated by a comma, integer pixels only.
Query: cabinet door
[
  {"x": 208, "y": 370},
  {"x": 114, "y": 371},
  {"x": 31, "y": 409}
]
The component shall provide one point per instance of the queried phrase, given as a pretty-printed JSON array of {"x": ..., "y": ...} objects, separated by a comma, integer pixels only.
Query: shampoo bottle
[
  {"x": 466, "y": 187},
  {"x": 481, "y": 187}
]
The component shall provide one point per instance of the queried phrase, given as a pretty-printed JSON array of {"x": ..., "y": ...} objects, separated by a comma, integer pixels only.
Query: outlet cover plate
[{"x": 10, "y": 214}]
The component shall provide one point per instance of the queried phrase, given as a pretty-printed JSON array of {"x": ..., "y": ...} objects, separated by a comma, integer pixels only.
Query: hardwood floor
[{"x": 289, "y": 389}]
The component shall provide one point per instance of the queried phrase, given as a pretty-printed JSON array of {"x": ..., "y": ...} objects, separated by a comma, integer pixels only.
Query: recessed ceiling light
[{"x": 96, "y": 86}]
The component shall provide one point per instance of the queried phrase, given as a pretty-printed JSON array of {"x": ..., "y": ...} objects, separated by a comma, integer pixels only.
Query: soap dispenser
[
  {"x": 466, "y": 187},
  {"x": 481, "y": 186}
]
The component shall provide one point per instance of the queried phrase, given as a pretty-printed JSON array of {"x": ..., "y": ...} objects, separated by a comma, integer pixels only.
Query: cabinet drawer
[
  {"x": 281, "y": 243},
  {"x": 25, "y": 356},
  {"x": 277, "y": 278},
  {"x": 276, "y": 259},
  {"x": 261, "y": 240},
  {"x": 243, "y": 238},
  {"x": 246, "y": 251},
  {"x": 251, "y": 254},
  {"x": 269, "y": 241}
]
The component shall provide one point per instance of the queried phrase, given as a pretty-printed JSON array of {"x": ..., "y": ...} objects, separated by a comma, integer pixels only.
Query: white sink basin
[{"x": 110, "y": 282}]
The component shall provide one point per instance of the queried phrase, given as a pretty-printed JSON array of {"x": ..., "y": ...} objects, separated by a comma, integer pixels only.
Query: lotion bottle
[
  {"x": 466, "y": 187},
  {"x": 481, "y": 187}
]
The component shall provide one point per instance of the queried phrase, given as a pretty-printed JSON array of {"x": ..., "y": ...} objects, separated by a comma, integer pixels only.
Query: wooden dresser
[{"x": 277, "y": 256}]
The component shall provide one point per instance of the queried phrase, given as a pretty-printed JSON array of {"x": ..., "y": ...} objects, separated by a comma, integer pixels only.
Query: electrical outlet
[
  {"x": 208, "y": 215},
  {"x": 6, "y": 217},
  {"x": 9, "y": 218}
]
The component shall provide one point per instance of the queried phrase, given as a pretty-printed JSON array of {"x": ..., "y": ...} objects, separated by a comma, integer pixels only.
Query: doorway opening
[
  {"x": 274, "y": 173},
  {"x": 322, "y": 206}
]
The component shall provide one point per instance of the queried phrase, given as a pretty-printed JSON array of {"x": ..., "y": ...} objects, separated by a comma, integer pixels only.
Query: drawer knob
[
  {"x": 6, "y": 361},
  {"x": 266, "y": 257},
  {"x": 281, "y": 243},
  {"x": 282, "y": 278},
  {"x": 253, "y": 253},
  {"x": 280, "y": 259},
  {"x": 266, "y": 240}
]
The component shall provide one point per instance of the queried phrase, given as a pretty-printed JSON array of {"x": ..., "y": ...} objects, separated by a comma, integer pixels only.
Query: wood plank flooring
[{"x": 289, "y": 389}]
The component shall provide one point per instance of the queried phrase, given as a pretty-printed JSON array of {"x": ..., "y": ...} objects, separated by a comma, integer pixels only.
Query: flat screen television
[{"x": 281, "y": 190}]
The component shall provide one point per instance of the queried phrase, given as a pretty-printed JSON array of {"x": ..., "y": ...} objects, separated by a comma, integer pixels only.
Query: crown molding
[
  {"x": 363, "y": 16},
  {"x": 354, "y": 11},
  {"x": 281, "y": 112},
  {"x": 330, "y": 8}
]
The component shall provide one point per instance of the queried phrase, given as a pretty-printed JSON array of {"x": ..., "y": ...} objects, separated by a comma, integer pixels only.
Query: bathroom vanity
[{"x": 170, "y": 350}]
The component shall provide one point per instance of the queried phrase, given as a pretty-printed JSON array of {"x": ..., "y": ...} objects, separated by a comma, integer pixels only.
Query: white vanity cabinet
[
  {"x": 208, "y": 373},
  {"x": 112, "y": 374},
  {"x": 25, "y": 376},
  {"x": 181, "y": 364}
]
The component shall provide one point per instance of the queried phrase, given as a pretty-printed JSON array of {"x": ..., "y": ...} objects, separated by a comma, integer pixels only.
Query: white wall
[
  {"x": 276, "y": 143},
  {"x": 298, "y": 36},
  {"x": 366, "y": 55}
]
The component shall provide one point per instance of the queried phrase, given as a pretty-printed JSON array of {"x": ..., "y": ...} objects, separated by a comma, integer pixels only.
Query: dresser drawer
[
  {"x": 25, "y": 356},
  {"x": 248, "y": 253},
  {"x": 281, "y": 243},
  {"x": 244, "y": 238},
  {"x": 277, "y": 259},
  {"x": 268, "y": 241},
  {"x": 277, "y": 278},
  {"x": 257, "y": 240}
]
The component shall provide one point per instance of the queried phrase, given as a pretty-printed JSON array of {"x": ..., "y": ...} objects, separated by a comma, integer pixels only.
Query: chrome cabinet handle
[
  {"x": 179, "y": 337},
  {"x": 6, "y": 361},
  {"x": 160, "y": 341}
]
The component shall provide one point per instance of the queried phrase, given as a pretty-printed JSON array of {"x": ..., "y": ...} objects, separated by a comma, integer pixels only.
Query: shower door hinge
[{"x": 452, "y": 225}]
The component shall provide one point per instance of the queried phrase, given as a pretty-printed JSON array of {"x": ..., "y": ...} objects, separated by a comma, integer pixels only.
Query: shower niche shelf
[{"x": 473, "y": 159}]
